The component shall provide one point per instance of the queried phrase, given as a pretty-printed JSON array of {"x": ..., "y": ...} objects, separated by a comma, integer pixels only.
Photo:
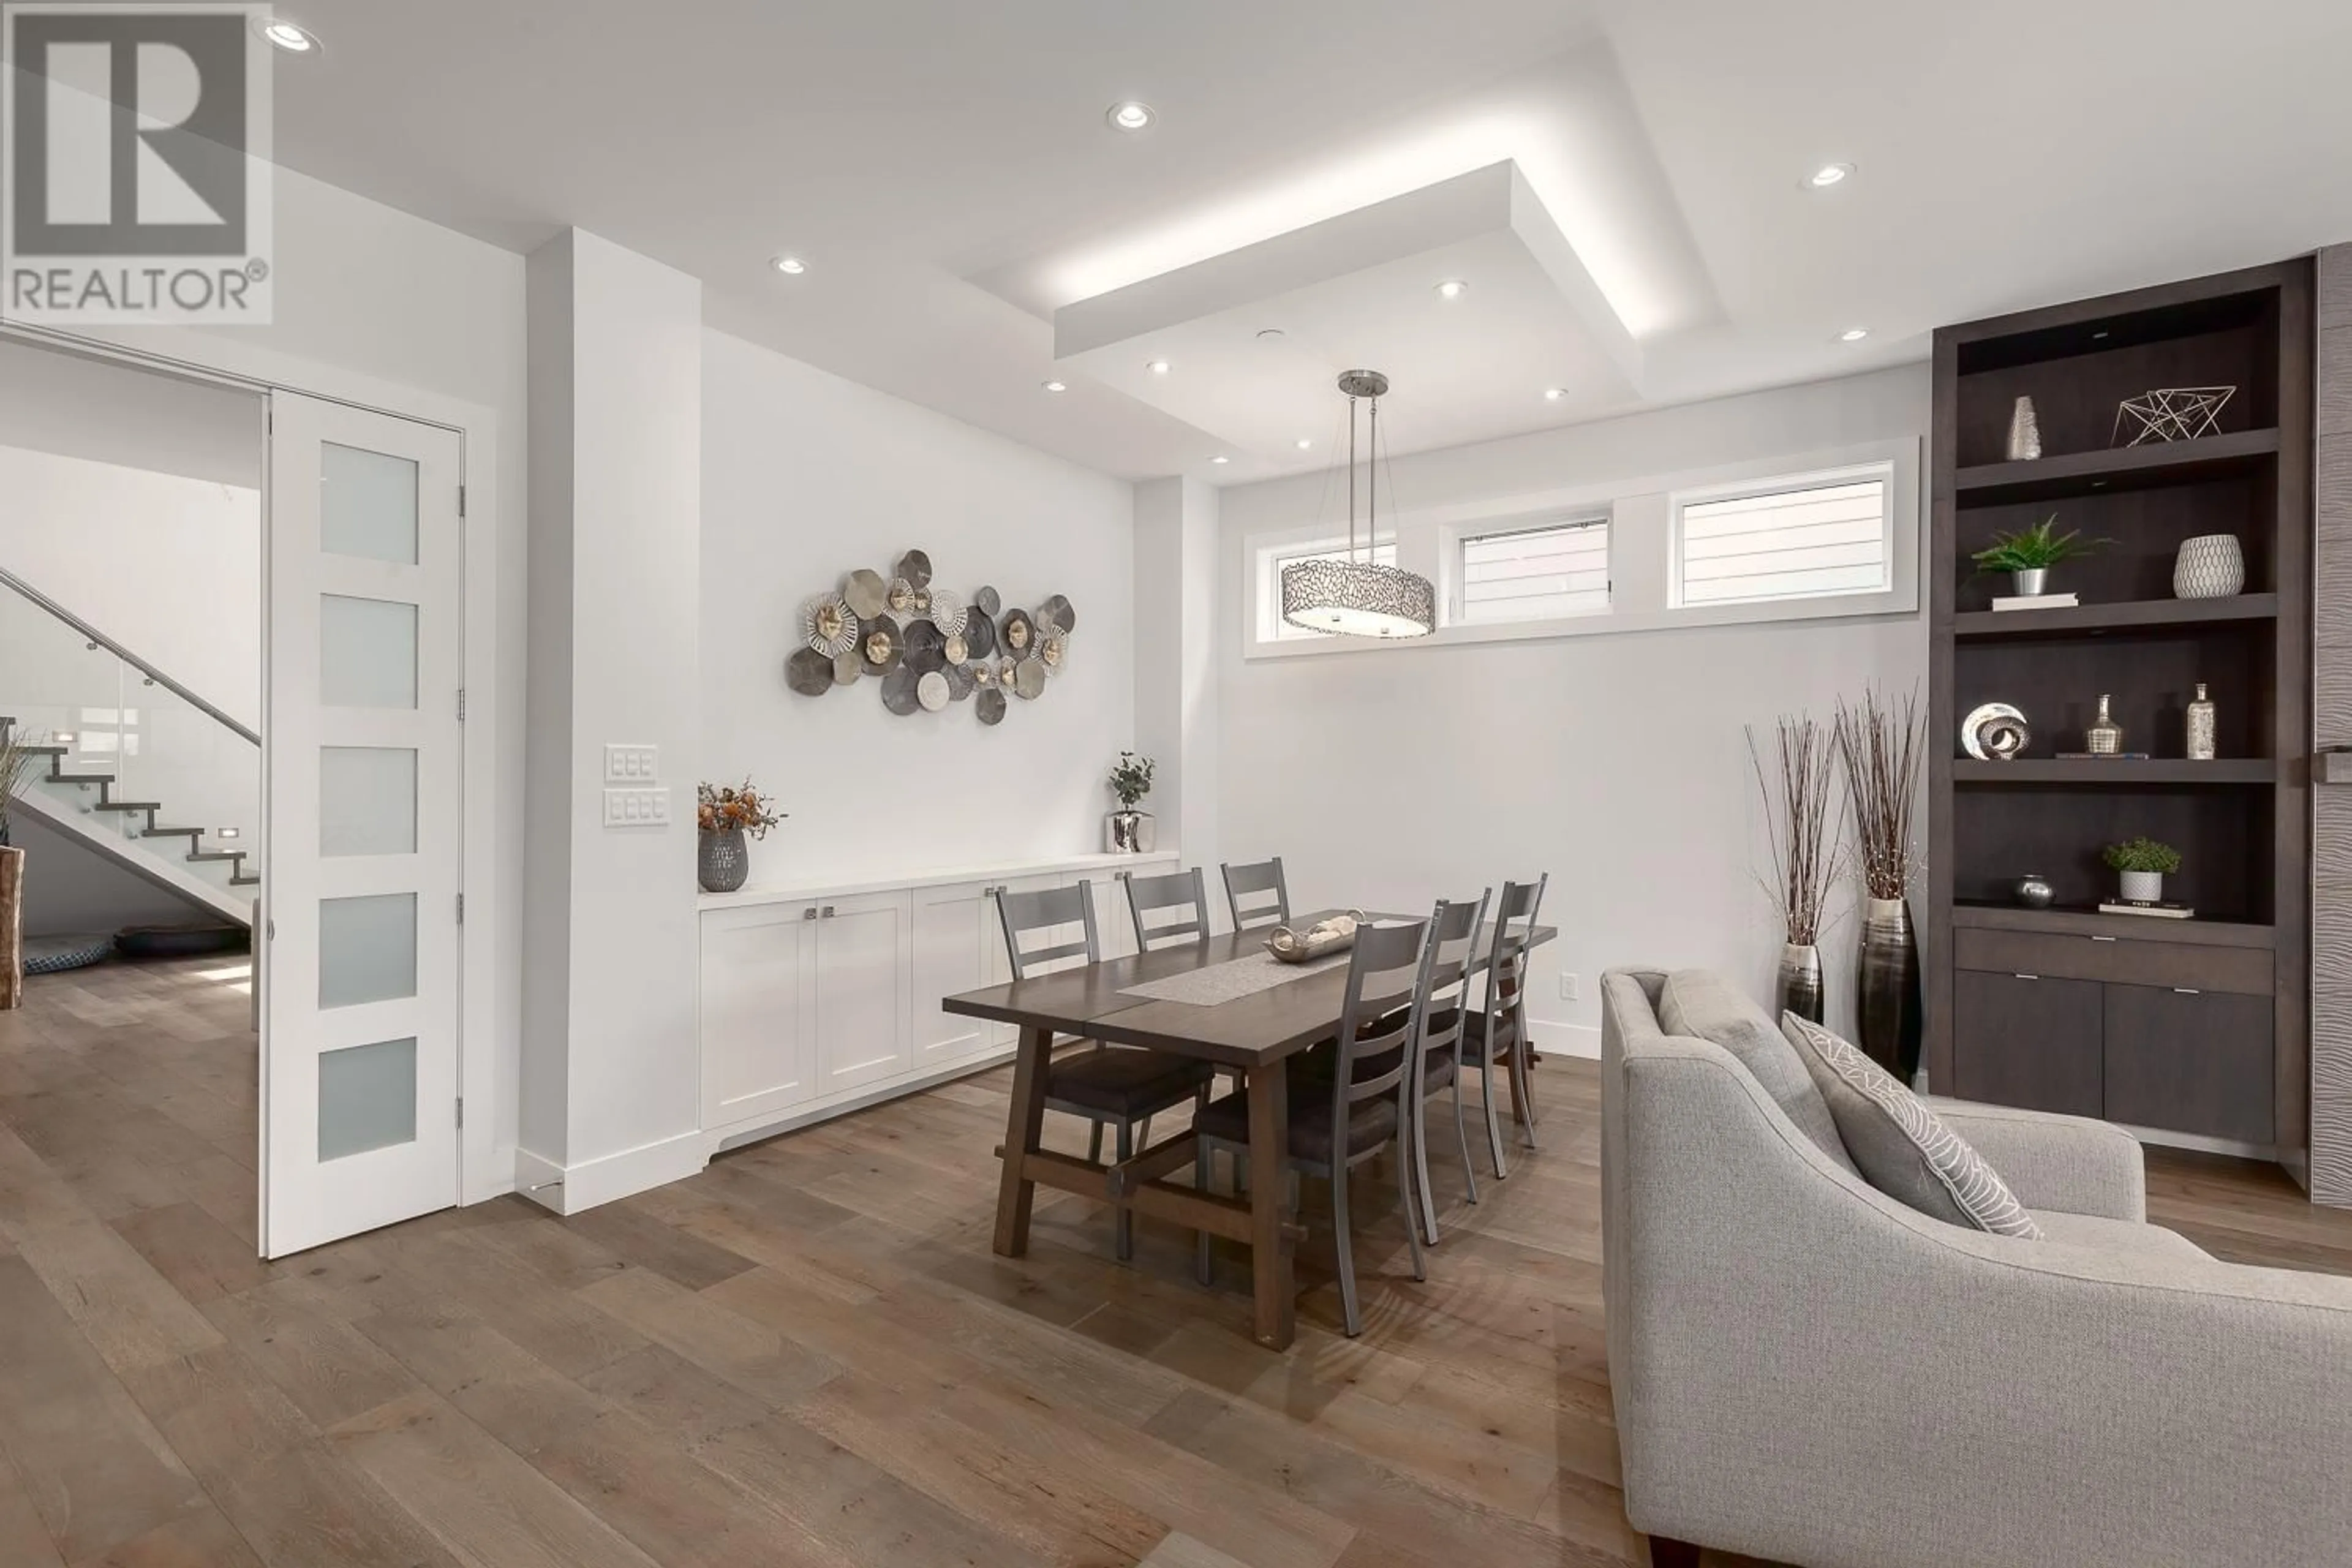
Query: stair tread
[
  {"x": 242, "y": 880},
  {"x": 129, "y": 805},
  {"x": 216, "y": 855},
  {"x": 81, "y": 778},
  {"x": 171, "y": 832}
]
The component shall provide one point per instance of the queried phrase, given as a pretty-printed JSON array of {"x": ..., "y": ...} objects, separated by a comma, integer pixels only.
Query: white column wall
[{"x": 1175, "y": 663}]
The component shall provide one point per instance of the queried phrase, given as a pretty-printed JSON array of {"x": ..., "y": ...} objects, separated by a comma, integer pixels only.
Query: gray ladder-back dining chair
[
  {"x": 1118, "y": 1087},
  {"x": 1442, "y": 1015},
  {"x": 1498, "y": 1034},
  {"x": 1268, "y": 895},
  {"x": 1366, "y": 1107},
  {"x": 1147, "y": 896}
]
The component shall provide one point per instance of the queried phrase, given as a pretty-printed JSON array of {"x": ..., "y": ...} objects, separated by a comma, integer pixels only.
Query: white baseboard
[
  {"x": 570, "y": 1189},
  {"x": 1566, "y": 1039},
  {"x": 720, "y": 1139}
]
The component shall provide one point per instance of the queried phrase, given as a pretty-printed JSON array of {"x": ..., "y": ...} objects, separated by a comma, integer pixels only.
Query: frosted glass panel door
[{"x": 364, "y": 765}]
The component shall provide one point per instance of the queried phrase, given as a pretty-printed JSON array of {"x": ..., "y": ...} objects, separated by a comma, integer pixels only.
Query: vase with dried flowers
[
  {"x": 1807, "y": 852},
  {"x": 724, "y": 814},
  {"x": 1880, "y": 743},
  {"x": 16, "y": 758},
  {"x": 1129, "y": 831}
]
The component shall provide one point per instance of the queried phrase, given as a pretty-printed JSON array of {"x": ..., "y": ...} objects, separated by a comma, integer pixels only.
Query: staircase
[{"x": 123, "y": 755}]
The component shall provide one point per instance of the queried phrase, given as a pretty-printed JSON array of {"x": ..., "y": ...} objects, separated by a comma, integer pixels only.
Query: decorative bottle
[
  {"x": 2200, "y": 727},
  {"x": 2106, "y": 737},
  {"x": 2024, "y": 432}
]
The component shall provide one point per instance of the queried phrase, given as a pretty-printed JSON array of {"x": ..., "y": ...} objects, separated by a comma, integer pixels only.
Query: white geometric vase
[{"x": 2209, "y": 566}]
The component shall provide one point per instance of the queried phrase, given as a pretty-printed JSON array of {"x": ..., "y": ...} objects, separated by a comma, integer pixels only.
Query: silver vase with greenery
[
  {"x": 1808, "y": 849},
  {"x": 1881, "y": 744}
]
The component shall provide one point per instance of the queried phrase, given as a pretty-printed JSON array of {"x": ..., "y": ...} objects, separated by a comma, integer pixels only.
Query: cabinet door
[
  {"x": 755, "y": 999},
  {"x": 859, "y": 1025},
  {"x": 2191, "y": 1061},
  {"x": 952, "y": 931},
  {"x": 2027, "y": 1041},
  {"x": 1114, "y": 924}
]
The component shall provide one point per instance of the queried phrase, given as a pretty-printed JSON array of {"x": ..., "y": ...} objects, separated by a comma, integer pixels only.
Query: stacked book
[
  {"x": 2035, "y": 602},
  {"x": 2162, "y": 910}
]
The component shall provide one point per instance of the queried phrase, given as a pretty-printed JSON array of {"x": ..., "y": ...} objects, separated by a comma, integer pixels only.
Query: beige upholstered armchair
[{"x": 1807, "y": 1371}]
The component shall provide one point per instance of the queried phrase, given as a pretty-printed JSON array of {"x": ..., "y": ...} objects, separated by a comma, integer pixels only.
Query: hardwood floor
[{"x": 806, "y": 1354}]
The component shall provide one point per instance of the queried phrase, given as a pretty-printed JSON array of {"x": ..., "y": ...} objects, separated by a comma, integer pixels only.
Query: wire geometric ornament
[{"x": 2172, "y": 413}]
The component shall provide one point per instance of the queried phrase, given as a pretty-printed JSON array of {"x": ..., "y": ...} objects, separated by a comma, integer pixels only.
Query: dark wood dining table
[{"x": 1253, "y": 1034}]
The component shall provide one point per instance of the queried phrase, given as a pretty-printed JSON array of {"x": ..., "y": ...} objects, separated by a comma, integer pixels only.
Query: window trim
[
  {"x": 1679, "y": 501},
  {"x": 1642, "y": 552}
]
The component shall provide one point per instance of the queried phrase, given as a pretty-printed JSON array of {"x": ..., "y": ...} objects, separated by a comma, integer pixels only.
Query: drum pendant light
[{"x": 1346, "y": 596}]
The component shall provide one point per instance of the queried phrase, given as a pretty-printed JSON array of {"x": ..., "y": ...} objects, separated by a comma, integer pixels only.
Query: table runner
[{"x": 1231, "y": 980}]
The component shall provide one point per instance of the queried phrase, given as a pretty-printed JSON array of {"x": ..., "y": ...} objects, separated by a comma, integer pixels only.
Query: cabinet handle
[
  {"x": 809, "y": 913},
  {"x": 2104, "y": 939},
  {"x": 2186, "y": 991},
  {"x": 828, "y": 911},
  {"x": 2027, "y": 977}
]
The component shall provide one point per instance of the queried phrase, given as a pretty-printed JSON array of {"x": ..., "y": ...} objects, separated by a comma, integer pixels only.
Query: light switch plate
[
  {"x": 631, "y": 764},
  {"x": 637, "y": 808},
  {"x": 1570, "y": 990}
]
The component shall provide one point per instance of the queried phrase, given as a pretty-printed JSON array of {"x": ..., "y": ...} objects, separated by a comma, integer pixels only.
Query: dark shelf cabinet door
[
  {"x": 2191, "y": 1061},
  {"x": 2028, "y": 1041}
]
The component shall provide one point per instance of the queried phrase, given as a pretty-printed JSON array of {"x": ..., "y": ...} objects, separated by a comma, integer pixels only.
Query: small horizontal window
[
  {"x": 1534, "y": 574},
  {"x": 1797, "y": 540},
  {"x": 1271, "y": 627}
]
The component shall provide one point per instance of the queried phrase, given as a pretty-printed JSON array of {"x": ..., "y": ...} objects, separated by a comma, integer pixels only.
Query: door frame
[{"x": 489, "y": 1006}]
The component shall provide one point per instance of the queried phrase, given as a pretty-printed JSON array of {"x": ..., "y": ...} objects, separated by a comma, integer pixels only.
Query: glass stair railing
[{"x": 127, "y": 759}]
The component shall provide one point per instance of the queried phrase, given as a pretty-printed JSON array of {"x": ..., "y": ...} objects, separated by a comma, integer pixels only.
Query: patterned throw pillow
[{"x": 1900, "y": 1146}]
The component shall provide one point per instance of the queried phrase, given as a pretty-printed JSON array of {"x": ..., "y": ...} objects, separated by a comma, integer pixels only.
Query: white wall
[
  {"x": 617, "y": 436},
  {"x": 1616, "y": 762},
  {"x": 807, "y": 476},
  {"x": 1176, "y": 565},
  {"x": 71, "y": 888}
]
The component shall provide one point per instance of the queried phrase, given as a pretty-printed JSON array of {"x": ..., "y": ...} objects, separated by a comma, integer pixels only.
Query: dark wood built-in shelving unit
[{"x": 2200, "y": 1026}]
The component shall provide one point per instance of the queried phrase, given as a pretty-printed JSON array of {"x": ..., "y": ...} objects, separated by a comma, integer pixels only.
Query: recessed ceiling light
[
  {"x": 1158, "y": 367},
  {"x": 1303, "y": 443},
  {"x": 1057, "y": 386},
  {"x": 790, "y": 266},
  {"x": 1129, "y": 116},
  {"x": 1853, "y": 334},
  {"x": 1829, "y": 175},
  {"x": 294, "y": 39},
  {"x": 1554, "y": 394},
  {"x": 1221, "y": 459},
  {"x": 1453, "y": 289}
]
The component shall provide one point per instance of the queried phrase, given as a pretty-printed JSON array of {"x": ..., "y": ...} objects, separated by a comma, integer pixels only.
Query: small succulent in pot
[
  {"x": 2027, "y": 554},
  {"x": 2141, "y": 865},
  {"x": 1129, "y": 831}
]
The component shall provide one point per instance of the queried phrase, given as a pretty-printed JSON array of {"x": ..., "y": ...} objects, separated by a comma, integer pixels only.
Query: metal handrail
[{"x": 9, "y": 579}]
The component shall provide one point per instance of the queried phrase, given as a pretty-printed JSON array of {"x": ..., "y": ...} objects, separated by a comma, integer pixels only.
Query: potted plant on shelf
[
  {"x": 723, "y": 814},
  {"x": 1808, "y": 853},
  {"x": 2142, "y": 864},
  {"x": 2029, "y": 553},
  {"x": 1128, "y": 831}
]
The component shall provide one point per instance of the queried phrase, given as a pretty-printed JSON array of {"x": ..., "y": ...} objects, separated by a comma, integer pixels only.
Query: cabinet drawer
[
  {"x": 2028, "y": 1043},
  {"x": 2190, "y": 1062},
  {"x": 2122, "y": 960}
]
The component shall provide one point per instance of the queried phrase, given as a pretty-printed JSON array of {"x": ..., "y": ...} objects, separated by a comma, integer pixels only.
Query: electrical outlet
[
  {"x": 637, "y": 808},
  {"x": 1569, "y": 989},
  {"x": 631, "y": 764}
]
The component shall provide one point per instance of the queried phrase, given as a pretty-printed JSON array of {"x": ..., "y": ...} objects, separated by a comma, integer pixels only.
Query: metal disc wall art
[
  {"x": 827, "y": 625},
  {"x": 1016, "y": 631},
  {"x": 929, "y": 645},
  {"x": 865, "y": 593}
]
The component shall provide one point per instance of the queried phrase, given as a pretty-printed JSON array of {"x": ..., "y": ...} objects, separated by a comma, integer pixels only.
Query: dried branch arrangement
[
  {"x": 1809, "y": 850},
  {"x": 1881, "y": 744}
]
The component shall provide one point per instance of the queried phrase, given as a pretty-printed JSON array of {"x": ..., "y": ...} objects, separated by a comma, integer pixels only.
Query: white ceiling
[{"x": 946, "y": 171}]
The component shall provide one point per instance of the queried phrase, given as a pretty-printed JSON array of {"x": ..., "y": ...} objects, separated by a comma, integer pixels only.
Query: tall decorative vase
[
  {"x": 12, "y": 929},
  {"x": 1797, "y": 988},
  {"x": 722, "y": 860},
  {"x": 1893, "y": 1018}
]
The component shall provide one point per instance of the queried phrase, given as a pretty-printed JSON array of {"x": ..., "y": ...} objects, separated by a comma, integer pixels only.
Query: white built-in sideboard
[{"x": 819, "y": 1000}]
